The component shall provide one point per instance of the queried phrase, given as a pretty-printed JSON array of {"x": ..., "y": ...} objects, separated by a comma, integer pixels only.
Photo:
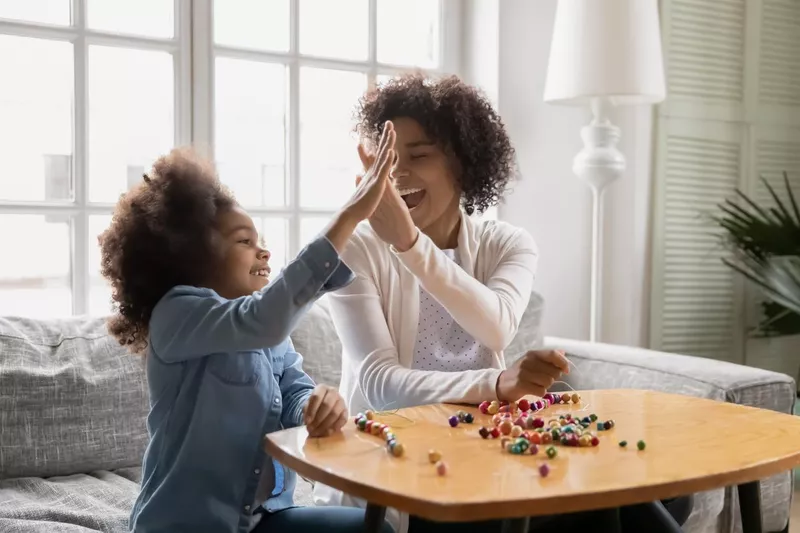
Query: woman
[{"x": 437, "y": 295}]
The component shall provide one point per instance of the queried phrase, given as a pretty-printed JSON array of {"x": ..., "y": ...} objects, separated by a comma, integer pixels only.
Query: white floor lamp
[{"x": 603, "y": 53}]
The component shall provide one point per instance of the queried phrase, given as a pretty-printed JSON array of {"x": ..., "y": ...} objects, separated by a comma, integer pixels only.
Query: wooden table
[{"x": 692, "y": 445}]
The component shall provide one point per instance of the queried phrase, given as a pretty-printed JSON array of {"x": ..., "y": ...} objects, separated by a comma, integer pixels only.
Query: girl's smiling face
[{"x": 243, "y": 262}]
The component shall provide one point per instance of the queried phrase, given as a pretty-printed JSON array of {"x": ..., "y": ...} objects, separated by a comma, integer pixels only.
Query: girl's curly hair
[
  {"x": 161, "y": 235},
  {"x": 457, "y": 116}
]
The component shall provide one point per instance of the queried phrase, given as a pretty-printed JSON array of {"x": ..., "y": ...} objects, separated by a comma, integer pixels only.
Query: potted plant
[{"x": 765, "y": 241}]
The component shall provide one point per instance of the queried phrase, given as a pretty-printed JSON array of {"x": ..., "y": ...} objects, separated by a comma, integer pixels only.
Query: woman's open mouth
[{"x": 412, "y": 196}]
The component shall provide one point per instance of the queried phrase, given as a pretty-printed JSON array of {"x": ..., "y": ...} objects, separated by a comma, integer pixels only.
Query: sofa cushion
[
  {"x": 100, "y": 501},
  {"x": 71, "y": 399},
  {"x": 315, "y": 339}
]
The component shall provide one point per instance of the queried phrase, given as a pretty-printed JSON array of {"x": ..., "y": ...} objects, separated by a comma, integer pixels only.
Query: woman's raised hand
[
  {"x": 368, "y": 193},
  {"x": 391, "y": 220}
]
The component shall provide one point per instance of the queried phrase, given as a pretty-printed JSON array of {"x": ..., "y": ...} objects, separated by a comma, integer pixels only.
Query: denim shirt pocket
[{"x": 239, "y": 368}]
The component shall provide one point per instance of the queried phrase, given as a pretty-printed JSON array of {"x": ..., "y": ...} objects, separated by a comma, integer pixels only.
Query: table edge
[{"x": 521, "y": 507}]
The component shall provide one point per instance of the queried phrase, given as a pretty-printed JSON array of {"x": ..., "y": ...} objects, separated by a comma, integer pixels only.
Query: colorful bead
[
  {"x": 585, "y": 440},
  {"x": 484, "y": 408},
  {"x": 368, "y": 426},
  {"x": 565, "y": 397},
  {"x": 494, "y": 432},
  {"x": 551, "y": 452},
  {"x": 623, "y": 443},
  {"x": 397, "y": 449},
  {"x": 468, "y": 418},
  {"x": 520, "y": 421},
  {"x": 641, "y": 445},
  {"x": 362, "y": 423},
  {"x": 536, "y": 438},
  {"x": 376, "y": 429},
  {"x": 601, "y": 426},
  {"x": 534, "y": 449},
  {"x": 593, "y": 417},
  {"x": 548, "y": 397},
  {"x": 544, "y": 470},
  {"x": 434, "y": 456},
  {"x": 493, "y": 408},
  {"x": 538, "y": 422},
  {"x": 453, "y": 420},
  {"x": 386, "y": 431},
  {"x": 505, "y": 427},
  {"x": 547, "y": 438},
  {"x": 358, "y": 417},
  {"x": 516, "y": 431},
  {"x": 556, "y": 434},
  {"x": 609, "y": 424},
  {"x": 524, "y": 404},
  {"x": 576, "y": 398},
  {"x": 516, "y": 450},
  {"x": 483, "y": 432},
  {"x": 370, "y": 415},
  {"x": 595, "y": 440},
  {"x": 441, "y": 468}
]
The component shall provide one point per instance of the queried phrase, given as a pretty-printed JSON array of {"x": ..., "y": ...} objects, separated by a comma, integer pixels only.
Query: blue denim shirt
[{"x": 223, "y": 373}]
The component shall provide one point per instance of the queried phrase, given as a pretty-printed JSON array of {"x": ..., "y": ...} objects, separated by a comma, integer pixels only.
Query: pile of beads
[
  {"x": 460, "y": 416},
  {"x": 366, "y": 422},
  {"x": 531, "y": 431}
]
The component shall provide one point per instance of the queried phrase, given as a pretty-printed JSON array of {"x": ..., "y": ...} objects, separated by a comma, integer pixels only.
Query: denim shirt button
[
  {"x": 246, "y": 507},
  {"x": 257, "y": 471},
  {"x": 277, "y": 400},
  {"x": 327, "y": 264}
]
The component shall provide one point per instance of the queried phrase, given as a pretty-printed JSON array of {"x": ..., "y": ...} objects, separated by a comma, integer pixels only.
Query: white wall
[{"x": 549, "y": 201}]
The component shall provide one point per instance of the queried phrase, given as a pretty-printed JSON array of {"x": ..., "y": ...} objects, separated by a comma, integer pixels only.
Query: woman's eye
[{"x": 418, "y": 156}]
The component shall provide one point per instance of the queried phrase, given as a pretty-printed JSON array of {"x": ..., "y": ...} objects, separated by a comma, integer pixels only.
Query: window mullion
[
  {"x": 183, "y": 72},
  {"x": 294, "y": 129},
  {"x": 373, "y": 42},
  {"x": 202, "y": 76},
  {"x": 80, "y": 165}
]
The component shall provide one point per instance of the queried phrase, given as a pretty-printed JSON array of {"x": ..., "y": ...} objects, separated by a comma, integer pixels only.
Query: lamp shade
[{"x": 606, "y": 48}]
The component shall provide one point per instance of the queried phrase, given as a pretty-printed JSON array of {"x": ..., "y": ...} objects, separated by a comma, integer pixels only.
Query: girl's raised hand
[{"x": 369, "y": 190}]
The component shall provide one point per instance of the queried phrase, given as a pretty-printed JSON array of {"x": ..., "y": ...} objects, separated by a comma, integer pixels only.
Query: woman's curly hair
[
  {"x": 161, "y": 235},
  {"x": 458, "y": 117}
]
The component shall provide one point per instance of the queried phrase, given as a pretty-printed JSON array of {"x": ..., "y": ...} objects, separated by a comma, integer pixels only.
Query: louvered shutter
[{"x": 732, "y": 112}]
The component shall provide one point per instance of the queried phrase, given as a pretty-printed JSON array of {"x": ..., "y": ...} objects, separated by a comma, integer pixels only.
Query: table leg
[
  {"x": 516, "y": 525},
  {"x": 664, "y": 521},
  {"x": 750, "y": 507},
  {"x": 374, "y": 518}
]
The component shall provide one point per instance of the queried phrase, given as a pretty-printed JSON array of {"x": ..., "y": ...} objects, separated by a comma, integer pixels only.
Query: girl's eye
[{"x": 245, "y": 241}]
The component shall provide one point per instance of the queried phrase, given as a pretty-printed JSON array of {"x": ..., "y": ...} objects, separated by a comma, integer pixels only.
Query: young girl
[{"x": 190, "y": 284}]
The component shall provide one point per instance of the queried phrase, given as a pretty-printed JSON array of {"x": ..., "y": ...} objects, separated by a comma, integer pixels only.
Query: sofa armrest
[{"x": 607, "y": 366}]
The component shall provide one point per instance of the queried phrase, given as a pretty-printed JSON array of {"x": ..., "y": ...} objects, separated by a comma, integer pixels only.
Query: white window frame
[
  {"x": 205, "y": 52},
  {"x": 194, "y": 52},
  {"x": 81, "y": 208}
]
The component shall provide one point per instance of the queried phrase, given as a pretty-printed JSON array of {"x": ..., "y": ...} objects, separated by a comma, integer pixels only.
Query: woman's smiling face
[{"x": 424, "y": 175}]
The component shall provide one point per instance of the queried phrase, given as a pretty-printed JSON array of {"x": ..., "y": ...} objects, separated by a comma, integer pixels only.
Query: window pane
[
  {"x": 408, "y": 32},
  {"x": 45, "y": 11},
  {"x": 310, "y": 228},
  {"x": 131, "y": 117},
  {"x": 99, "y": 289},
  {"x": 149, "y": 18},
  {"x": 256, "y": 24},
  {"x": 274, "y": 234},
  {"x": 35, "y": 119},
  {"x": 328, "y": 158},
  {"x": 337, "y": 29},
  {"x": 250, "y": 122},
  {"x": 35, "y": 274}
]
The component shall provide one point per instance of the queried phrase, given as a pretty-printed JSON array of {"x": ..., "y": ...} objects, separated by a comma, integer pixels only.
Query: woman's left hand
[
  {"x": 325, "y": 413},
  {"x": 391, "y": 219}
]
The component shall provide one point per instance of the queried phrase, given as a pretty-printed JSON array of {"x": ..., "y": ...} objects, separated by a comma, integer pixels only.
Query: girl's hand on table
[
  {"x": 533, "y": 373},
  {"x": 325, "y": 413}
]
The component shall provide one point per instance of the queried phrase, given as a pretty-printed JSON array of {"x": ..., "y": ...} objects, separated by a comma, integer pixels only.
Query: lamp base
[{"x": 598, "y": 164}]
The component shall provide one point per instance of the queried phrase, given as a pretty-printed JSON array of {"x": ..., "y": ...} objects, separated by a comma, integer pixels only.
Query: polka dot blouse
[{"x": 442, "y": 344}]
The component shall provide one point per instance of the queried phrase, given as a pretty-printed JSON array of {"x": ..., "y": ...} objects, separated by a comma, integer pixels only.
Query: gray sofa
[{"x": 73, "y": 406}]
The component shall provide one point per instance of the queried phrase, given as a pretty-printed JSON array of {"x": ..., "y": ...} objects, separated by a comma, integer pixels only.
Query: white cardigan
[{"x": 376, "y": 318}]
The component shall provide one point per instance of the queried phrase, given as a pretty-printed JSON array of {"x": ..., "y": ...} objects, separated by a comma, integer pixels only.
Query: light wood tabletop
[{"x": 691, "y": 445}]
